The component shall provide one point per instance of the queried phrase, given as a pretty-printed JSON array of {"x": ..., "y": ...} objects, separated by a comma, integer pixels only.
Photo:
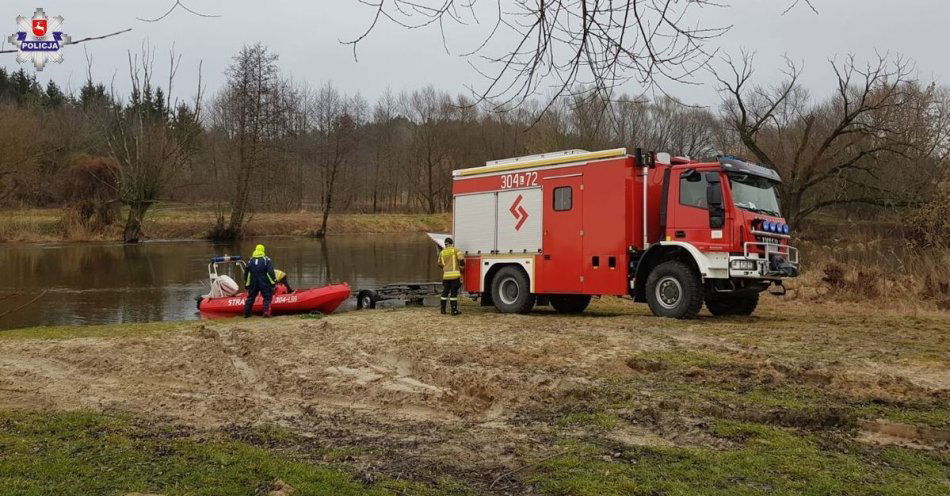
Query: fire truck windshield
[{"x": 754, "y": 193}]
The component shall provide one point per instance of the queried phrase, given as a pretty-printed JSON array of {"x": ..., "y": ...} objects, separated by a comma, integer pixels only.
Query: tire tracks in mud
[{"x": 234, "y": 347}]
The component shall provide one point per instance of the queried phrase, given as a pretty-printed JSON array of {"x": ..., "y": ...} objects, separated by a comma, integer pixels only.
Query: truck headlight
[{"x": 744, "y": 264}]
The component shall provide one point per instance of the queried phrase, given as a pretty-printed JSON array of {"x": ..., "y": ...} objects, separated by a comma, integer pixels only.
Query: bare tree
[
  {"x": 19, "y": 140},
  {"x": 827, "y": 153},
  {"x": 679, "y": 129},
  {"x": 298, "y": 124},
  {"x": 150, "y": 141},
  {"x": 382, "y": 141},
  {"x": 558, "y": 45},
  {"x": 428, "y": 111},
  {"x": 338, "y": 122},
  {"x": 247, "y": 113},
  {"x": 662, "y": 124}
]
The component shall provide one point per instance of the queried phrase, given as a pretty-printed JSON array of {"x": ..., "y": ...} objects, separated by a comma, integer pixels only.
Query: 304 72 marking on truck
[{"x": 519, "y": 180}]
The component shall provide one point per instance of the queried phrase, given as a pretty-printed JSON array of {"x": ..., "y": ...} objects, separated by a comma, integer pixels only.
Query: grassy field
[
  {"x": 802, "y": 399},
  {"x": 174, "y": 222},
  {"x": 85, "y": 453}
]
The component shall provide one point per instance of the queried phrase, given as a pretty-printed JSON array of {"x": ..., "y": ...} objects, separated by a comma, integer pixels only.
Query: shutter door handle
[{"x": 680, "y": 234}]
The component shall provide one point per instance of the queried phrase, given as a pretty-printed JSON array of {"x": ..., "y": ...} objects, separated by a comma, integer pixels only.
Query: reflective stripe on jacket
[
  {"x": 450, "y": 260},
  {"x": 260, "y": 272}
]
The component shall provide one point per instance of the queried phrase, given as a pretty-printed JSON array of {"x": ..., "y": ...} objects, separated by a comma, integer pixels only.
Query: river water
[{"x": 107, "y": 283}]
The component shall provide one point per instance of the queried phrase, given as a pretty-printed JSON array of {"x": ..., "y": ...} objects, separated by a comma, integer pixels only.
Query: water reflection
[{"x": 104, "y": 283}]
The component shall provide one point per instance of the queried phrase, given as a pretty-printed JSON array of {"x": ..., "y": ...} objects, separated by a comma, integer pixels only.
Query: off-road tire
[
  {"x": 366, "y": 299},
  {"x": 682, "y": 290},
  {"x": 569, "y": 303},
  {"x": 517, "y": 297},
  {"x": 719, "y": 305}
]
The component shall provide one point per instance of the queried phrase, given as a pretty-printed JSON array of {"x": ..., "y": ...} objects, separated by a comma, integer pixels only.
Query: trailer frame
[{"x": 411, "y": 293}]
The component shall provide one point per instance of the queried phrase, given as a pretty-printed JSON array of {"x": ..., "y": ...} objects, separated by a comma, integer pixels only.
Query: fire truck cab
[{"x": 561, "y": 227}]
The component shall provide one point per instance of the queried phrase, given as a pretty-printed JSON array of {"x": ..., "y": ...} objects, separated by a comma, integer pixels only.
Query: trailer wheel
[
  {"x": 732, "y": 304},
  {"x": 511, "y": 292},
  {"x": 674, "y": 290},
  {"x": 366, "y": 298},
  {"x": 569, "y": 303}
]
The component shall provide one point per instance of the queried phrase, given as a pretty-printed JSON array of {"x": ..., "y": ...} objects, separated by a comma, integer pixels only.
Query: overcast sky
[{"x": 307, "y": 34}]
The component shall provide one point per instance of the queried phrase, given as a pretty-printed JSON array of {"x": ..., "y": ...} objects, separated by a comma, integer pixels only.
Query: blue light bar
[{"x": 230, "y": 258}]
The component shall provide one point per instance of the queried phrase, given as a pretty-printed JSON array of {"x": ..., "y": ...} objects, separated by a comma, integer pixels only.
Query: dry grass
[
  {"x": 871, "y": 261},
  {"x": 43, "y": 225},
  {"x": 51, "y": 225}
]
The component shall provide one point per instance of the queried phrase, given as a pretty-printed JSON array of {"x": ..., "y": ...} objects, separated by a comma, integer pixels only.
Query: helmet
[
  {"x": 280, "y": 274},
  {"x": 449, "y": 241}
]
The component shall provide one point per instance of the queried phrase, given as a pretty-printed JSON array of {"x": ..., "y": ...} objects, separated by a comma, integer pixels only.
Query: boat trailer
[{"x": 411, "y": 293}]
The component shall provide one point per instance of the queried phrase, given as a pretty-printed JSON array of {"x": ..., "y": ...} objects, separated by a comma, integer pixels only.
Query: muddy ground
[{"x": 481, "y": 396}]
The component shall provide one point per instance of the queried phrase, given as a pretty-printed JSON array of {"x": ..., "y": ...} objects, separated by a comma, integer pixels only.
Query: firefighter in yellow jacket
[{"x": 452, "y": 261}]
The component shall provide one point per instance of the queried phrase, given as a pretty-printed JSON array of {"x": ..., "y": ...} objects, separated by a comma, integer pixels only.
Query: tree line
[{"x": 265, "y": 142}]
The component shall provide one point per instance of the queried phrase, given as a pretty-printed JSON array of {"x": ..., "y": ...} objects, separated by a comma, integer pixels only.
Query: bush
[
  {"x": 89, "y": 190},
  {"x": 861, "y": 283},
  {"x": 930, "y": 224}
]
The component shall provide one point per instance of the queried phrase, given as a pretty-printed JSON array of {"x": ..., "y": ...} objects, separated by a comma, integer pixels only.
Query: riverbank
[
  {"x": 174, "y": 222},
  {"x": 802, "y": 398},
  {"x": 842, "y": 260}
]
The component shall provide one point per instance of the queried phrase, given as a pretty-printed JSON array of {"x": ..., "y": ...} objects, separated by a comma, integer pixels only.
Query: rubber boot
[
  {"x": 455, "y": 308},
  {"x": 267, "y": 314},
  {"x": 442, "y": 306}
]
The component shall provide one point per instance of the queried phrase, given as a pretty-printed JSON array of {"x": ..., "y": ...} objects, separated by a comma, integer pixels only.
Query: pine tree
[
  {"x": 26, "y": 89},
  {"x": 92, "y": 95},
  {"x": 5, "y": 87},
  {"x": 54, "y": 97}
]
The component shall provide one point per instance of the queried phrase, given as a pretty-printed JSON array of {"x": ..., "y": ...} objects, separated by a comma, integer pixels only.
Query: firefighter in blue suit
[{"x": 259, "y": 279}]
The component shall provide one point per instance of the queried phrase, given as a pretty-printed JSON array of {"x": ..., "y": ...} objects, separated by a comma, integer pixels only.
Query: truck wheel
[
  {"x": 511, "y": 292},
  {"x": 570, "y": 303},
  {"x": 674, "y": 290},
  {"x": 732, "y": 304},
  {"x": 366, "y": 299}
]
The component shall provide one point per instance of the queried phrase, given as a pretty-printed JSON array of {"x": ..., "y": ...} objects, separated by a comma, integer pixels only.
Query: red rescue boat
[
  {"x": 324, "y": 300},
  {"x": 225, "y": 299}
]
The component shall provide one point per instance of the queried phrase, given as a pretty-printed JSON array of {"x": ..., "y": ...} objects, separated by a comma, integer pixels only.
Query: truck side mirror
[{"x": 717, "y": 214}]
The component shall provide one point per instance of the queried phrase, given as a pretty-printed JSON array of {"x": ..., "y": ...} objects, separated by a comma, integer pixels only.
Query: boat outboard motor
[{"x": 222, "y": 285}]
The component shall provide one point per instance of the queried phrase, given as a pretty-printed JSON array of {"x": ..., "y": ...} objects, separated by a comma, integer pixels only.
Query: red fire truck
[{"x": 561, "y": 227}]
